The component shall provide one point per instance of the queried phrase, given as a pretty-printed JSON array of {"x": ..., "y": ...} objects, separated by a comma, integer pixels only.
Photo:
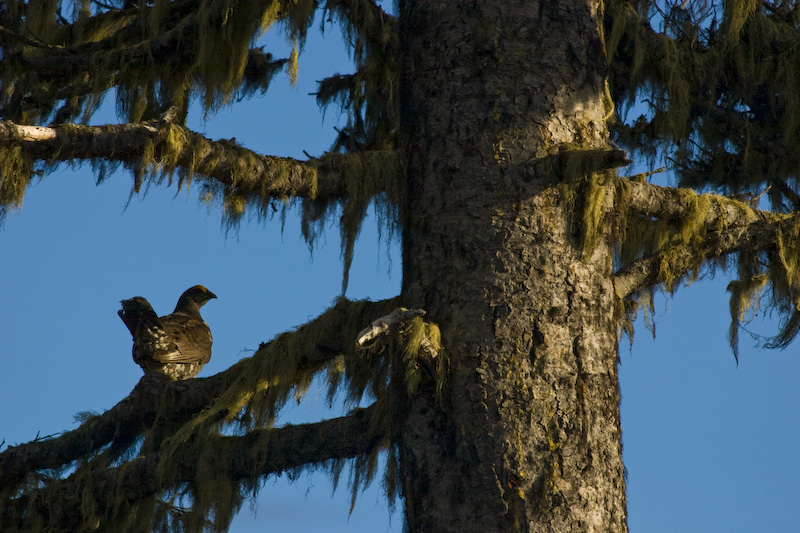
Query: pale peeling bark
[
  {"x": 385, "y": 324},
  {"x": 529, "y": 439}
]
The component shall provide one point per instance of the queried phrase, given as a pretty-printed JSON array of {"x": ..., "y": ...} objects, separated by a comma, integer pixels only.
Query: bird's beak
[{"x": 210, "y": 294}]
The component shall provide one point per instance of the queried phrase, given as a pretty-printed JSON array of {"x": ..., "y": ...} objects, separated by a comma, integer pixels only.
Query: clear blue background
[{"x": 709, "y": 447}]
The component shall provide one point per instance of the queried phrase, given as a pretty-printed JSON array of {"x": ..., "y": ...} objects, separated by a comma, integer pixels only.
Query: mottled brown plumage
[{"x": 176, "y": 345}]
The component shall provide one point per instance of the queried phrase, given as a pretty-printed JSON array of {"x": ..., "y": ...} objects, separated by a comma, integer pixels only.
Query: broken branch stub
[{"x": 397, "y": 320}]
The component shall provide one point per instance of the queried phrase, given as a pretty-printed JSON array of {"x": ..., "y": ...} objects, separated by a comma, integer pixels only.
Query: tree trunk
[{"x": 529, "y": 435}]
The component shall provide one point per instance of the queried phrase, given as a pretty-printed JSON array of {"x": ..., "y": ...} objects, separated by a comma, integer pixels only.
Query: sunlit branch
[
  {"x": 667, "y": 203},
  {"x": 756, "y": 234},
  {"x": 176, "y": 148}
]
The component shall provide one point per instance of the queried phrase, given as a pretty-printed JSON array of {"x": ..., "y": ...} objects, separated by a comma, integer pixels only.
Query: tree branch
[
  {"x": 366, "y": 18},
  {"x": 758, "y": 234},
  {"x": 702, "y": 227},
  {"x": 668, "y": 203},
  {"x": 53, "y": 72},
  {"x": 114, "y": 18},
  {"x": 176, "y": 148},
  {"x": 318, "y": 342},
  {"x": 260, "y": 66},
  {"x": 119, "y": 48},
  {"x": 128, "y": 40},
  {"x": 278, "y": 450}
]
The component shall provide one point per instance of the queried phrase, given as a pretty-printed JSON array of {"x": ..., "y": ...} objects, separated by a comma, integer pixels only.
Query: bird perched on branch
[{"x": 176, "y": 345}]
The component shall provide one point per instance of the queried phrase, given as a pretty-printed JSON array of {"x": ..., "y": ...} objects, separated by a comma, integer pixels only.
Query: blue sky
[{"x": 709, "y": 446}]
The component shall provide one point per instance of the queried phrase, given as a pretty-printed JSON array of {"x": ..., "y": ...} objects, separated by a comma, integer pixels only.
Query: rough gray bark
[{"x": 530, "y": 437}]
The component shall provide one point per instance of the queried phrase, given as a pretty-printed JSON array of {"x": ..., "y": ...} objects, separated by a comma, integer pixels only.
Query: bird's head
[{"x": 195, "y": 296}]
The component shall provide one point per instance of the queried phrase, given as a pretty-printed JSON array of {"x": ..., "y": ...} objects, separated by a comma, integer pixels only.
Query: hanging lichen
[
  {"x": 745, "y": 296},
  {"x": 595, "y": 209},
  {"x": 714, "y": 79},
  {"x": 16, "y": 171},
  {"x": 368, "y": 95},
  {"x": 371, "y": 177},
  {"x": 680, "y": 247},
  {"x": 151, "y": 54},
  {"x": 134, "y": 51}
]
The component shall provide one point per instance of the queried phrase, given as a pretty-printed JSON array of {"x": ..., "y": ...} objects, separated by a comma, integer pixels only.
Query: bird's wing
[{"x": 189, "y": 340}]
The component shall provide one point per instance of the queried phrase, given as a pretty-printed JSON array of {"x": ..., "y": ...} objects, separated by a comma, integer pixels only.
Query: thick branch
[
  {"x": 175, "y": 147},
  {"x": 325, "y": 338},
  {"x": 713, "y": 225},
  {"x": 668, "y": 203},
  {"x": 278, "y": 449},
  {"x": 756, "y": 234}
]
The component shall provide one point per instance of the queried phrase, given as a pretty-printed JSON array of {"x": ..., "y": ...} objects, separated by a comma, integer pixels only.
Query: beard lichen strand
[
  {"x": 716, "y": 71},
  {"x": 16, "y": 172}
]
